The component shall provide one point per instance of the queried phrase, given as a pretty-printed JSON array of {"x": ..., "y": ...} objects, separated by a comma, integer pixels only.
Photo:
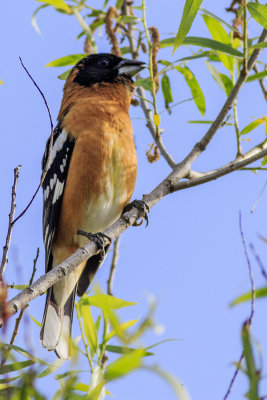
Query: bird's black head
[{"x": 104, "y": 67}]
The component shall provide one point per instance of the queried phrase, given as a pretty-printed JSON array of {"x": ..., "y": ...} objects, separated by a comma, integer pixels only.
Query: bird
[{"x": 88, "y": 178}]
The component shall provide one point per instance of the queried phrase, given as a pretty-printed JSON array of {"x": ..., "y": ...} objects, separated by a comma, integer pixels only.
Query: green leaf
[
  {"x": 95, "y": 393},
  {"x": 258, "y": 45},
  {"x": 18, "y": 287},
  {"x": 219, "y": 33},
  {"x": 86, "y": 28},
  {"x": 124, "y": 350},
  {"x": 106, "y": 302},
  {"x": 24, "y": 353},
  {"x": 190, "y": 11},
  {"x": 259, "y": 75},
  {"x": 252, "y": 371},
  {"x": 57, "y": 4},
  {"x": 52, "y": 368},
  {"x": 176, "y": 385},
  {"x": 205, "y": 42},
  {"x": 67, "y": 60},
  {"x": 216, "y": 18},
  {"x": 7, "y": 380},
  {"x": 128, "y": 19},
  {"x": 261, "y": 292},
  {"x": 65, "y": 75},
  {"x": 201, "y": 55},
  {"x": 82, "y": 387},
  {"x": 125, "y": 50},
  {"x": 5, "y": 369},
  {"x": 124, "y": 365},
  {"x": 166, "y": 90},
  {"x": 223, "y": 80},
  {"x": 193, "y": 84},
  {"x": 123, "y": 327},
  {"x": 118, "y": 4},
  {"x": 258, "y": 12},
  {"x": 252, "y": 126},
  {"x": 161, "y": 342},
  {"x": 35, "y": 321},
  {"x": 89, "y": 327},
  {"x": 34, "y": 21}
]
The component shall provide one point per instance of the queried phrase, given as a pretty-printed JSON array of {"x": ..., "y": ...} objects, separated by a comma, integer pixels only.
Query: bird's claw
[
  {"x": 141, "y": 205},
  {"x": 98, "y": 238}
]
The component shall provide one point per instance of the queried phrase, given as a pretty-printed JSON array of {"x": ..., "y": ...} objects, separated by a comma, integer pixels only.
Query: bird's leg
[
  {"x": 98, "y": 238},
  {"x": 141, "y": 205}
]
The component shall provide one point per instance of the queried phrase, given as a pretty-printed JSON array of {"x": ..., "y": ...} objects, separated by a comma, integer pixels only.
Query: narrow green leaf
[
  {"x": 259, "y": 75},
  {"x": 67, "y": 60},
  {"x": 252, "y": 372},
  {"x": 204, "y": 42},
  {"x": 95, "y": 393},
  {"x": 118, "y": 4},
  {"x": 124, "y": 350},
  {"x": 193, "y": 84},
  {"x": 258, "y": 12},
  {"x": 222, "y": 80},
  {"x": 18, "y": 287},
  {"x": 69, "y": 373},
  {"x": 252, "y": 126},
  {"x": 24, "y": 353},
  {"x": 89, "y": 328},
  {"x": 5, "y": 369},
  {"x": 201, "y": 55},
  {"x": 35, "y": 321},
  {"x": 261, "y": 292},
  {"x": 52, "y": 368},
  {"x": 34, "y": 21},
  {"x": 82, "y": 387},
  {"x": 190, "y": 11},
  {"x": 86, "y": 28},
  {"x": 216, "y": 18},
  {"x": 8, "y": 380},
  {"x": 123, "y": 327},
  {"x": 106, "y": 302},
  {"x": 128, "y": 19},
  {"x": 124, "y": 365},
  {"x": 125, "y": 50},
  {"x": 161, "y": 342},
  {"x": 57, "y": 4},
  {"x": 259, "y": 45},
  {"x": 177, "y": 386},
  {"x": 219, "y": 33},
  {"x": 64, "y": 76},
  {"x": 166, "y": 90}
]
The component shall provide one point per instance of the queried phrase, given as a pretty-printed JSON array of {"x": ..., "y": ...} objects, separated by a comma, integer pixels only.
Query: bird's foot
[
  {"x": 98, "y": 238},
  {"x": 141, "y": 205}
]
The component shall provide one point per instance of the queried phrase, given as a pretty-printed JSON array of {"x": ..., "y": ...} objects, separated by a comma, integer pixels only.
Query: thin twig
[
  {"x": 262, "y": 82},
  {"x": 141, "y": 92},
  {"x": 18, "y": 320},
  {"x": 50, "y": 145},
  {"x": 114, "y": 262},
  {"x": 10, "y": 222},
  {"x": 260, "y": 264},
  {"x": 250, "y": 318},
  {"x": 234, "y": 377}
]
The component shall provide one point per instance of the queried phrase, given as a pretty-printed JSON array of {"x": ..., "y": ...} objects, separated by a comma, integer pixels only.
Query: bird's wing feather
[{"x": 54, "y": 184}]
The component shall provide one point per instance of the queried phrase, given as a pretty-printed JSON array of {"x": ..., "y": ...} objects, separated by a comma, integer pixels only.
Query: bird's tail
[{"x": 56, "y": 326}]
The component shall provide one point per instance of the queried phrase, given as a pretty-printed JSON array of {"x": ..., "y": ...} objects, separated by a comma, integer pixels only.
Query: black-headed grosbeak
[{"x": 90, "y": 179}]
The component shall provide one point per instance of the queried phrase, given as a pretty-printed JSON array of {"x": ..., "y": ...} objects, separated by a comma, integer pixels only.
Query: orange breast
[{"x": 102, "y": 170}]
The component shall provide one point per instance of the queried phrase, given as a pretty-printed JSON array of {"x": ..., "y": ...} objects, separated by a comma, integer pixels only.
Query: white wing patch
[
  {"x": 57, "y": 146},
  {"x": 58, "y": 191}
]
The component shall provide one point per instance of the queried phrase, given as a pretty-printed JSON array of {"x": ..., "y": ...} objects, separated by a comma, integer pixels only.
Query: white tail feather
[
  {"x": 63, "y": 346},
  {"x": 51, "y": 328}
]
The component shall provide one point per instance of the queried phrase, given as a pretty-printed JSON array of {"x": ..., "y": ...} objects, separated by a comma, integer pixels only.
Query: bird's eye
[{"x": 104, "y": 62}]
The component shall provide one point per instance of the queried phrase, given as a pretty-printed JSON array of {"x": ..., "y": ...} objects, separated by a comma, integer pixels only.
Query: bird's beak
[{"x": 130, "y": 67}]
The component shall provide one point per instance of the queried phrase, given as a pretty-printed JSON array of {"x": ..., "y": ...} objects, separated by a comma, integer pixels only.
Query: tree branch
[{"x": 10, "y": 222}]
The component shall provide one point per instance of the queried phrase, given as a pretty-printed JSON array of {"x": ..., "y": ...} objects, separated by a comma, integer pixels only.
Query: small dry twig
[
  {"x": 10, "y": 222},
  {"x": 114, "y": 262},
  {"x": 50, "y": 146}
]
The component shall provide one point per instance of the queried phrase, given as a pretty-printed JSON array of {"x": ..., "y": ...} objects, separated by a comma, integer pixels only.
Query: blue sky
[{"x": 191, "y": 256}]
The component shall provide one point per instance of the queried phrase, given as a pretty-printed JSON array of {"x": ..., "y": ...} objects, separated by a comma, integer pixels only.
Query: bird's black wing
[{"x": 54, "y": 184}]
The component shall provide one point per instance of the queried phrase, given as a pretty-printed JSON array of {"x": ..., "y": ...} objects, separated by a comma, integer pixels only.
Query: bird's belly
[{"x": 103, "y": 210}]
